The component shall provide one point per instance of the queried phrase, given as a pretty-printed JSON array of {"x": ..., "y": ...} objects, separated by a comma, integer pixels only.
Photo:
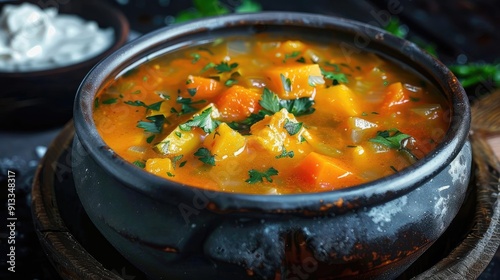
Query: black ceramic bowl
[
  {"x": 172, "y": 231},
  {"x": 42, "y": 98}
]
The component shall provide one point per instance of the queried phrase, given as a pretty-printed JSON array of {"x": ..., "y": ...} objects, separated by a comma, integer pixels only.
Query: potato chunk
[
  {"x": 296, "y": 81},
  {"x": 279, "y": 131},
  {"x": 224, "y": 142}
]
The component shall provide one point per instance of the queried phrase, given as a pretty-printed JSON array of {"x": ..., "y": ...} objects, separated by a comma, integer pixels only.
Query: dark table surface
[{"x": 461, "y": 30}]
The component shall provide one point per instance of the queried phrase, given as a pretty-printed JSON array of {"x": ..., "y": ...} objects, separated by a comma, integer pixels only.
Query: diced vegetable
[
  {"x": 293, "y": 81},
  {"x": 237, "y": 103},
  {"x": 338, "y": 101},
  {"x": 160, "y": 166},
  {"x": 428, "y": 111},
  {"x": 224, "y": 142},
  {"x": 200, "y": 88},
  {"x": 325, "y": 173},
  {"x": 395, "y": 95},
  {"x": 360, "y": 129},
  {"x": 278, "y": 131},
  {"x": 186, "y": 137}
]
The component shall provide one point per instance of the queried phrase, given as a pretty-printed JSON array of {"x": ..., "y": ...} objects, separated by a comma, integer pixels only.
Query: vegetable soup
[{"x": 270, "y": 116}]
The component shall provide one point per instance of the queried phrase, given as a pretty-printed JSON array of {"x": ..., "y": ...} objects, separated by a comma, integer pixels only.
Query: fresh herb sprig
[{"x": 256, "y": 176}]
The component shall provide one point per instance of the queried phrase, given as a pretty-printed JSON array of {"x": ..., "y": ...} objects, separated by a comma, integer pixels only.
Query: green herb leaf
[
  {"x": 230, "y": 82},
  {"x": 291, "y": 55},
  {"x": 110, "y": 101},
  {"x": 139, "y": 163},
  {"x": 205, "y": 156},
  {"x": 285, "y": 153},
  {"x": 155, "y": 106},
  {"x": 270, "y": 101},
  {"x": 287, "y": 84},
  {"x": 196, "y": 57},
  {"x": 96, "y": 103},
  {"x": 257, "y": 176},
  {"x": 336, "y": 78},
  {"x": 154, "y": 126},
  {"x": 391, "y": 138},
  {"x": 292, "y": 127},
  {"x": 225, "y": 67},
  {"x": 150, "y": 139},
  {"x": 175, "y": 160},
  {"x": 204, "y": 121}
]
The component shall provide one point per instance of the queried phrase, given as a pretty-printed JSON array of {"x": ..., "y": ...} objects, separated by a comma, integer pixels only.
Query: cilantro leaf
[
  {"x": 155, "y": 106},
  {"x": 205, "y": 156},
  {"x": 292, "y": 127},
  {"x": 336, "y": 77},
  {"x": 204, "y": 121},
  {"x": 257, "y": 176},
  {"x": 187, "y": 105},
  {"x": 225, "y": 67},
  {"x": 287, "y": 84},
  {"x": 270, "y": 101},
  {"x": 154, "y": 126},
  {"x": 285, "y": 153},
  {"x": 110, "y": 101},
  {"x": 298, "y": 107},
  {"x": 139, "y": 163},
  {"x": 391, "y": 138}
]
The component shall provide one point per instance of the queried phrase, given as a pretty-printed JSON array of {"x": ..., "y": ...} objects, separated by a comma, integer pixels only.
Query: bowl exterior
[
  {"x": 187, "y": 240},
  {"x": 172, "y": 231}
]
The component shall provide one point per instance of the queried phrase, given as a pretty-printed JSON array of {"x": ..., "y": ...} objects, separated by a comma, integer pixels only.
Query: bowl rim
[
  {"x": 120, "y": 37},
  {"x": 374, "y": 192}
]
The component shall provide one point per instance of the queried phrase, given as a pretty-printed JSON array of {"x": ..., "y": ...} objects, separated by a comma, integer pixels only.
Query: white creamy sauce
[{"x": 35, "y": 39}]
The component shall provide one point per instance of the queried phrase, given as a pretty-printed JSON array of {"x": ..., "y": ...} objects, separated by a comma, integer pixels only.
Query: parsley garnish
[
  {"x": 257, "y": 176},
  {"x": 287, "y": 84},
  {"x": 110, "y": 101},
  {"x": 205, "y": 156},
  {"x": 176, "y": 159},
  {"x": 150, "y": 139},
  {"x": 196, "y": 57},
  {"x": 186, "y": 105},
  {"x": 225, "y": 67},
  {"x": 230, "y": 82},
  {"x": 336, "y": 78},
  {"x": 291, "y": 55},
  {"x": 292, "y": 127},
  {"x": 170, "y": 174},
  {"x": 155, "y": 126},
  {"x": 391, "y": 138},
  {"x": 285, "y": 153},
  {"x": 192, "y": 91},
  {"x": 301, "y": 60},
  {"x": 139, "y": 163},
  {"x": 96, "y": 103},
  {"x": 272, "y": 104},
  {"x": 155, "y": 106},
  {"x": 203, "y": 120}
]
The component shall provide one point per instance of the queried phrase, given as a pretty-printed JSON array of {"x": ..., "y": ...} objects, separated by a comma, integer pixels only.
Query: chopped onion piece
[
  {"x": 316, "y": 80},
  {"x": 137, "y": 149}
]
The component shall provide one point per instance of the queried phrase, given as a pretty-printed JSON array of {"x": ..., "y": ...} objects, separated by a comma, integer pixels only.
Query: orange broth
[{"x": 270, "y": 116}]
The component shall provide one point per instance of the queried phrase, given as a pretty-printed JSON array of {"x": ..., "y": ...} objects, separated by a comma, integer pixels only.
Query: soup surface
[{"x": 270, "y": 116}]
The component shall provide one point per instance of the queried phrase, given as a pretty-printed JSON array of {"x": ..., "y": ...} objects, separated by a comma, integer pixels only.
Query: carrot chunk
[
  {"x": 395, "y": 94},
  {"x": 237, "y": 103},
  {"x": 317, "y": 172},
  {"x": 198, "y": 88}
]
